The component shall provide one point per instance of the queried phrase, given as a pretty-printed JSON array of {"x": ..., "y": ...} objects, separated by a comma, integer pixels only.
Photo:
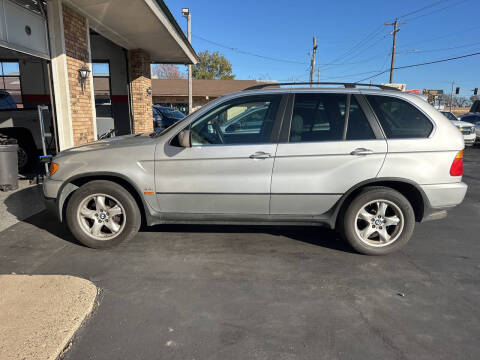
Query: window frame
[
  {"x": 362, "y": 103},
  {"x": 434, "y": 128},
  {"x": 112, "y": 115},
  {"x": 19, "y": 79},
  {"x": 277, "y": 122}
]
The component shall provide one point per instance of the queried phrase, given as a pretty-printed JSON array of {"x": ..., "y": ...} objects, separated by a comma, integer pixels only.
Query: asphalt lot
[{"x": 210, "y": 292}]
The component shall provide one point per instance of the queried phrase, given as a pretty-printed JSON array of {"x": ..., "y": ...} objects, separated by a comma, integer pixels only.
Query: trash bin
[{"x": 8, "y": 164}]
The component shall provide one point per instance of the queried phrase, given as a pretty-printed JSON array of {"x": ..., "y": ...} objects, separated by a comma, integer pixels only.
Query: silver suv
[{"x": 369, "y": 163}]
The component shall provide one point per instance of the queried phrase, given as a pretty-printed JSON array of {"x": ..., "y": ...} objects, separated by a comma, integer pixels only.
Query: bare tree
[
  {"x": 460, "y": 101},
  {"x": 166, "y": 71}
]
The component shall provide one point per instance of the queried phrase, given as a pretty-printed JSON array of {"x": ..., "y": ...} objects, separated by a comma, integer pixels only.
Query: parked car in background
[
  {"x": 24, "y": 126},
  {"x": 247, "y": 122},
  {"x": 163, "y": 117},
  {"x": 466, "y": 128},
  {"x": 473, "y": 119},
  {"x": 475, "y": 108},
  {"x": 357, "y": 160}
]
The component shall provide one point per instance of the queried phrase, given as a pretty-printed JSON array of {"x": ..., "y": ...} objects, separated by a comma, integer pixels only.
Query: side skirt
[{"x": 240, "y": 219}]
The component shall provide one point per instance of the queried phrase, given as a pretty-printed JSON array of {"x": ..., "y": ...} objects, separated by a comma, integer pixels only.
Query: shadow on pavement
[
  {"x": 23, "y": 203},
  {"x": 314, "y": 235},
  {"x": 48, "y": 222}
]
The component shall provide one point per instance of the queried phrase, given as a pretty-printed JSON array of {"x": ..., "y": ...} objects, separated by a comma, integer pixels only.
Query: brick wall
[
  {"x": 139, "y": 61},
  {"x": 76, "y": 48}
]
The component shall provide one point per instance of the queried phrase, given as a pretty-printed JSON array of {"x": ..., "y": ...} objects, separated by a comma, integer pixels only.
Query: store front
[{"x": 87, "y": 62}]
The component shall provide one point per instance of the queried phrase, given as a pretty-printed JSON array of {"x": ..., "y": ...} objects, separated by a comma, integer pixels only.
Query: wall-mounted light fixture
[
  {"x": 149, "y": 91},
  {"x": 83, "y": 74}
]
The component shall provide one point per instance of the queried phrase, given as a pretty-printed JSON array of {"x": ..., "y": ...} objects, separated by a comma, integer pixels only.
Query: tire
[
  {"x": 102, "y": 224},
  {"x": 26, "y": 157},
  {"x": 384, "y": 213}
]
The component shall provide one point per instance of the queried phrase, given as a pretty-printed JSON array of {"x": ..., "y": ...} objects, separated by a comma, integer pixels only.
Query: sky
[{"x": 272, "y": 40}]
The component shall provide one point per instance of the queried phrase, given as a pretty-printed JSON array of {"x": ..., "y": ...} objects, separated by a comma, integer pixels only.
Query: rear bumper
[{"x": 441, "y": 196}]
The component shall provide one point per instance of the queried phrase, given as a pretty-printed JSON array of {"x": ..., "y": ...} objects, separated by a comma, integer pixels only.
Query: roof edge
[{"x": 177, "y": 27}]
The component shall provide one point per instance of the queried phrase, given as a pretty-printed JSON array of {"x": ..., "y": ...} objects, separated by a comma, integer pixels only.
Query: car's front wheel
[
  {"x": 101, "y": 214},
  {"x": 378, "y": 221}
]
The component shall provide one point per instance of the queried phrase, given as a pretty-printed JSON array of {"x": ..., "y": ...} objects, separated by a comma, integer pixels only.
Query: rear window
[
  {"x": 321, "y": 117},
  {"x": 400, "y": 119}
]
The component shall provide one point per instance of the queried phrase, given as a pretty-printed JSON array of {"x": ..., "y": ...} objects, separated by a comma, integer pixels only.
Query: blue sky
[{"x": 284, "y": 29}]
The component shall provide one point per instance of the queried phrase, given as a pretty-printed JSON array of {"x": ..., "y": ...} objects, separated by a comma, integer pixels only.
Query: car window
[
  {"x": 358, "y": 127},
  {"x": 400, "y": 119},
  {"x": 321, "y": 117},
  {"x": 318, "y": 117},
  {"x": 241, "y": 121},
  {"x": 449, "y": 115}
]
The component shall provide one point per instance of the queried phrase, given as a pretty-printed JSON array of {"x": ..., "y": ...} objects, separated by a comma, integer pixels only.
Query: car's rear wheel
[
  {"x": 378, "y": 221},
  {"x": 101, "y": 214}
]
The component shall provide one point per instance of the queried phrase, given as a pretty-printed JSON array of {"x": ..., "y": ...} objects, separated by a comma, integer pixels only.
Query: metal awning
[{"x": 138, "y": 24}]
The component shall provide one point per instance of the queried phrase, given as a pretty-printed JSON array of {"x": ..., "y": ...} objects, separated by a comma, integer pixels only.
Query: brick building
[
  {"x": 45, "y": 46},
  {"x": 174, "y": 92}
]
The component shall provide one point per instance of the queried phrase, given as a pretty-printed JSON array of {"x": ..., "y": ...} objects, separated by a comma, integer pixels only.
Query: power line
[
  {"x": 250, "y": 53},
  {"x": 350, "y": 75},
  {"x": 422, "y": 8},
  {"x": 359, "y": 44},
  {"x": 437, "y": 10},
  {"x": 439, "y": 37},
  {"x": 421, "y": 64},
  {"x": 448, "y": 48}
]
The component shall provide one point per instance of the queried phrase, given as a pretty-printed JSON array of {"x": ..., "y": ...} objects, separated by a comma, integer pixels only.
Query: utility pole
[
  {"x": 394, "y": 33},
  {"x": 318, "y": 76},
  {"x": 451, "y": 96},
  {"x": 312, "y": 63},
  {"x": 186, "y": 13}
]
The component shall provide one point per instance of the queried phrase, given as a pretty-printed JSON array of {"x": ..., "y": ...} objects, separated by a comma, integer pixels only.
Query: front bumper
[
  {"x": 51, "y": 188},
  {"x": 469, "y": 139},
  {"x": 50, "y": 192},
  {"x": 51, "y": 205}
]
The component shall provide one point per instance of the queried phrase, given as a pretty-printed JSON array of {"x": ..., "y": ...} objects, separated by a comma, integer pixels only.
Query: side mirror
[{"x": 184, "y": 138}]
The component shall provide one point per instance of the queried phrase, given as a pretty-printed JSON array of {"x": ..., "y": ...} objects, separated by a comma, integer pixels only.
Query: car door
[
  {"x": 330, "y": 143},
  {"x": 226, "y": 170}
]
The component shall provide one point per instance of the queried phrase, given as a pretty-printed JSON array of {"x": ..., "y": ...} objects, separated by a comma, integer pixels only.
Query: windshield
[{"x": 449, "y": 115}]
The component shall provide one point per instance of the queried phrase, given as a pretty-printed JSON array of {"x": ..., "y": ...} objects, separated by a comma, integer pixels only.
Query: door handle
[
  {"x": 362, "y": 151},
  {"x": 260, "y": 155}
]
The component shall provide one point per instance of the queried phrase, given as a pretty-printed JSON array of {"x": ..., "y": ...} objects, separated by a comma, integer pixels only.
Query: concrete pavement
[{"x": 39, "y": 314}]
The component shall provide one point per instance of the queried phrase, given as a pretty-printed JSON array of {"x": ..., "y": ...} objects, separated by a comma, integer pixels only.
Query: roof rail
[{"x": 346, "y": 85}]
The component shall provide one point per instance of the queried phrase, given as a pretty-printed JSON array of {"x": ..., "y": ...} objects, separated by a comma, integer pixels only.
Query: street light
[{"x": 186, "y": 14}]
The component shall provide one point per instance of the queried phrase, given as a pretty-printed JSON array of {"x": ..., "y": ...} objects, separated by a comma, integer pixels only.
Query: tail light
[{"x": 457, "y": 166}]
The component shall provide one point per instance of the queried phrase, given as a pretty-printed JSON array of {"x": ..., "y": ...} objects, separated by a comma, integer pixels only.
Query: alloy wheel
[
  {"x": 101, "y": 216},
  {"x": 379, "y": 223}
]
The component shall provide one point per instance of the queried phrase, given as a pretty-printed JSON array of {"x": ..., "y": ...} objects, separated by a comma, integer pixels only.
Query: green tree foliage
[{"x": 212, "y": 66}]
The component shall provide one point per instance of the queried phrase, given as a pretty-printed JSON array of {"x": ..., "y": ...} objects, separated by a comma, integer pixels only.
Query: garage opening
[
  {"x": 110, "y": 86},
  {"x": 24, "y": 84}
]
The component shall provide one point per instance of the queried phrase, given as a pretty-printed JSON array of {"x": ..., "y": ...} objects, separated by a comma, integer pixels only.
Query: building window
[
  {"x": 101, "y": 88},
  {"x": 10, "y": 86}
]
